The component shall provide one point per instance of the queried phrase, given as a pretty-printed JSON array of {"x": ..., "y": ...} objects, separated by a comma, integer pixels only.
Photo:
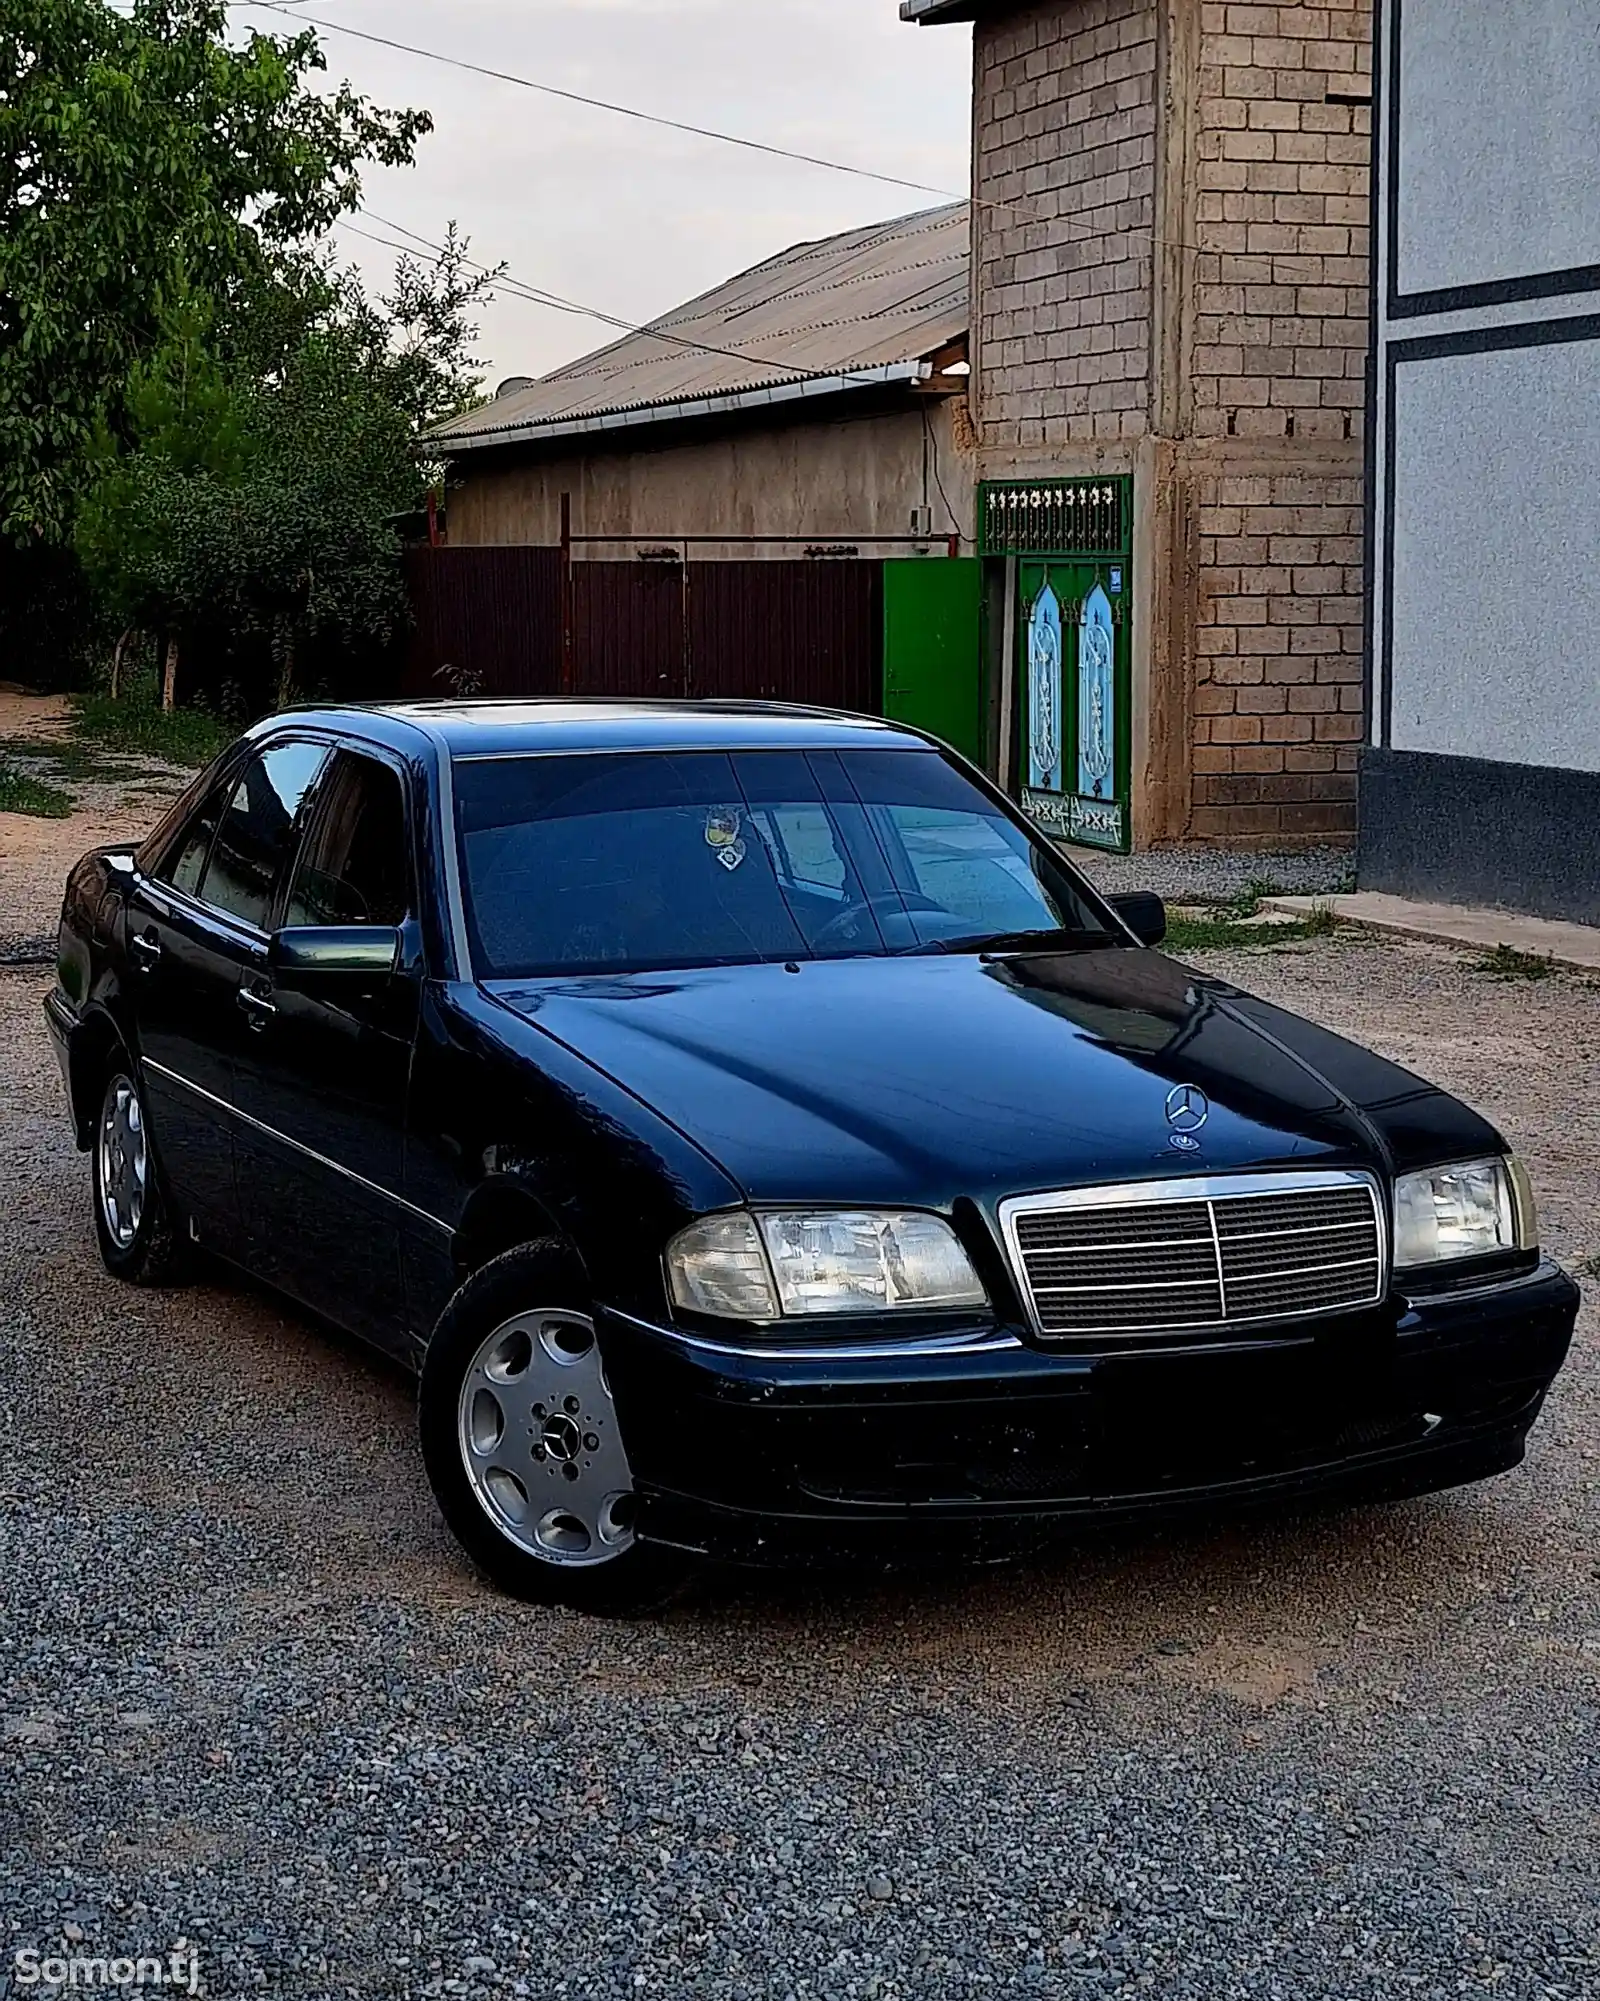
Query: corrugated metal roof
[{"x": 872, "y": 300}]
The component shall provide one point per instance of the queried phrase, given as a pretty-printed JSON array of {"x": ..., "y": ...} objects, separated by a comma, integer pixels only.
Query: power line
[
  {"x": 604, "y": 104},
  {"x": 554, "y": 300},
  {"x": 1027, "y": 207},
  {"x": 1073, "y": 232}
]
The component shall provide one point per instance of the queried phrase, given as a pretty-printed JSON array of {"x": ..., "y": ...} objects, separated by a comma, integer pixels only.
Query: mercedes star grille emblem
[{"x": 1188, "y": 1108}]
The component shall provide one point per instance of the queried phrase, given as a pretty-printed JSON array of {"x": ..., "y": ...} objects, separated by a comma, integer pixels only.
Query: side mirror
[
  {"x": 1144, "y": 914},
  {"x": 311, "y": 952}
]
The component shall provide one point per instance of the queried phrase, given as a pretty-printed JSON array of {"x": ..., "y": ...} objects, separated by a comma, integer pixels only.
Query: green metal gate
[
  {"x": 1072, "y": 542},
  {"x": 932, "y": 648}
]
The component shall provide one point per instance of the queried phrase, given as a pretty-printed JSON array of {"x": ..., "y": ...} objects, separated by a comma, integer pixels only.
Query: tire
[
  {"x": 521, "y": 1445},
  {"x": 133, "y": 1217}
]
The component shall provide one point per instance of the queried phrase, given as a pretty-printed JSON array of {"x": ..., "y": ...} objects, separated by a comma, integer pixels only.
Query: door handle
[
  {"x": 146, "y": 952},
  {"x": 256, "y": 1006}
]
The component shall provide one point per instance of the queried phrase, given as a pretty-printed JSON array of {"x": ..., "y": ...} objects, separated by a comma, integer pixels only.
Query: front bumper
[{"x": 986, "y": 1451}]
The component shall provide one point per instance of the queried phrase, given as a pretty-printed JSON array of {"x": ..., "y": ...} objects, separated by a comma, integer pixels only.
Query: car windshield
[{"x": 646, "y": 861}]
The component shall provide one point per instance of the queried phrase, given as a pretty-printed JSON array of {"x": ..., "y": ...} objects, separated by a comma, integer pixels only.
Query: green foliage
[
  {"x": 416, "y": 341},
  {"x": 205, "y": 428},
  {"x": 21, "y": 792},
  {"x": 52, "y": 629},
  {"x": 258, "y": 514},
  {"x": 136, "y": 726},
  {"x": 1505, "y": 962},
  {"x": 64, "y": 758},
  {"x": 138, "y": 540},
  {"x": 137, "y": 151},
  {"x": 1228, "y": 928}
]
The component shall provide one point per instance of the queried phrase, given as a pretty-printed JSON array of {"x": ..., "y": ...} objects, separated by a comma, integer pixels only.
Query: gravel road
[{"x": 251, "y": 1701}]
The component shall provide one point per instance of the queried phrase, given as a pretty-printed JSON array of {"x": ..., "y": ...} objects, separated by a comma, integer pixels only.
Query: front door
[{"x": 325, "y": 1066}]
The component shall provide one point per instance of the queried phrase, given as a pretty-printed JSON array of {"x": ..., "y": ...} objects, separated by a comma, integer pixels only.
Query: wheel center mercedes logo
[
  {"x": 562, "y": 1437},
  {"x": 1188, "y": 1108}
]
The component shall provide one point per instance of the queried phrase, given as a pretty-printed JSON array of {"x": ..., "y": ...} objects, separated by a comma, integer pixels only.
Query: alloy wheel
[
  {"x": 540, "y": 1444},
  {"x": 124, "y": 1162}
]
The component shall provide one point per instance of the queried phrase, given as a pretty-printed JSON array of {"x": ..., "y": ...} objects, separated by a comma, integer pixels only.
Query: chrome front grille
[{"x": 1156, "y": 1258}]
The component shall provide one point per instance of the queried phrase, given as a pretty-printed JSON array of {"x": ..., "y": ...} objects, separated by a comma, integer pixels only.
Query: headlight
[
  {"x": 806, "y": 1262},
  {"x": 1466, "y": 1211}
]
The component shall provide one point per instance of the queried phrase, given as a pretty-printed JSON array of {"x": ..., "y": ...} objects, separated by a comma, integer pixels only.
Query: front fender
[{"x": 511, "y": 1133}]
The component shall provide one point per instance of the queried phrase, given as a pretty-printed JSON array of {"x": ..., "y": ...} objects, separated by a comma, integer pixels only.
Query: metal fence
[{"x": 530, "y": 621}]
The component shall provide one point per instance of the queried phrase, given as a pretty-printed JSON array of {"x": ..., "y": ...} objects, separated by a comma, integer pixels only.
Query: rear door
[
  {"x": 324, "y": 1070},
  {"x": 195, "y": 933}
]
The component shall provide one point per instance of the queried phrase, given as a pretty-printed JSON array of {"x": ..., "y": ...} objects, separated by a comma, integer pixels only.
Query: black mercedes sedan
[{"x": 765, "y": 1146}]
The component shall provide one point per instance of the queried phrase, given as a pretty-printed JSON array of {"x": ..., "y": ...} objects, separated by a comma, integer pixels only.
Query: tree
[
  {"x": 152, "y": 529},
  {"x": 418, "y": 339},
  {"x": 249, "y": 513},
  {"x": 136, "y": 151}
]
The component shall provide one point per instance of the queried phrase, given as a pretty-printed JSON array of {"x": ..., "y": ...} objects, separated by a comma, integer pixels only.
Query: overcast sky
[{"x": 622, "y": 215}]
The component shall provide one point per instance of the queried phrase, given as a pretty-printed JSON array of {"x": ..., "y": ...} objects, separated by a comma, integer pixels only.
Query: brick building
[{"x": 1170, "y": 315}]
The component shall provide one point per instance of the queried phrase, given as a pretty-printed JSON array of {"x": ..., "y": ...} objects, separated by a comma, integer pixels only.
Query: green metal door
[{"x": 932, "y": 648}]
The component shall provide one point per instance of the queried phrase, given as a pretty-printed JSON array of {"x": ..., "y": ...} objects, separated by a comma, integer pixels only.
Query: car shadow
[{"x": 1164, "y": 1589}]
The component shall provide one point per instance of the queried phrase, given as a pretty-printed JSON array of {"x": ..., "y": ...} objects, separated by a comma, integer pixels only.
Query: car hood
[{"x": 922, "y": 1080}]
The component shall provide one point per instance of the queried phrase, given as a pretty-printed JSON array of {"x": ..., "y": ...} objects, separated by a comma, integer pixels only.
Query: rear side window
[
  {"x": 187, "y": 862},
  {"x": 353, "y": 867},
  {"x": 257, "y": 832}
]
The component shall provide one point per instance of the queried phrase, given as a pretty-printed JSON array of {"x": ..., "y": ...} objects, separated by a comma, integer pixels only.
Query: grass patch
[
  {"x": 1228, "y": 929},
  {"x": 20, "y": 792},
  {"x": 1227, "y": 934},
  {"x": 137, "y": 728},
  {"x": 66, "y": 759},
  {"x": 1505, "y": 962}
]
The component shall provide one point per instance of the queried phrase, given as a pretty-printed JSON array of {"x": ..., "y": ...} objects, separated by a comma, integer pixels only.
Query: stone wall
[
  {"x": 1065, "y": 131},
  {"x": 1280, "y": 335},
  {"x": 1279, "y": 359},
  {"x": 1277, "y": 698},
  {"x": 1170, "y": 277}
]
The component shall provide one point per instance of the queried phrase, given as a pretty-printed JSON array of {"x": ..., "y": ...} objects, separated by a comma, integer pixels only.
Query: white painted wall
[
  {"x": 1499, "y": 139},
  {"x": 1496, "y": 580}
]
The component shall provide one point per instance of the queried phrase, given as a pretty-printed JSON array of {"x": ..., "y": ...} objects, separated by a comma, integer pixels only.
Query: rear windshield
[{"x": 651, "y": 860}]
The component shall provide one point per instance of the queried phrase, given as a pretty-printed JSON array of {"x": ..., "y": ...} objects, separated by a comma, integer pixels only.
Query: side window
[
  {"x": 353, "y": 868},
  {"x": 257, "y": 831},
  {"x": 186, "y": 859}
]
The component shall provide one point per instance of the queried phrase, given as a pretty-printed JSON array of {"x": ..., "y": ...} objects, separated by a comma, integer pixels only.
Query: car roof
[{"x": 508, "y": 728}]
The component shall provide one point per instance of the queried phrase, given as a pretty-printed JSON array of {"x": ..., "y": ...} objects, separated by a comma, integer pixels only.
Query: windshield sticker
[{"x": 722, "y": 836}]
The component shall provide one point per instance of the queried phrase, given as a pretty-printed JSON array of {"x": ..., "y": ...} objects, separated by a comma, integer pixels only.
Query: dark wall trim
[
  {"x": 1464, "y": 830},
  {"x": 1453, "y": 298},
  {"x": 1435, "y": 347},
  {"x": 1497, "y": 292}
]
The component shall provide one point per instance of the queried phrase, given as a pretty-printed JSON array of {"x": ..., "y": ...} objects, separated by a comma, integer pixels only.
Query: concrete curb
[{"x": 1575, "y": 945}]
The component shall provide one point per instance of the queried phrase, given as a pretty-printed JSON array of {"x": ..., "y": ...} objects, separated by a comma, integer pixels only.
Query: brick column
[
  {"x": 1278, "y": 368},
  {"x": 1170, "y": 279}
]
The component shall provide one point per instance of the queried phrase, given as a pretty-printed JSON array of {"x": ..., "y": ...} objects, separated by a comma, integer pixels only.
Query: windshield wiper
[{"x": 1017, "y": 941}]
